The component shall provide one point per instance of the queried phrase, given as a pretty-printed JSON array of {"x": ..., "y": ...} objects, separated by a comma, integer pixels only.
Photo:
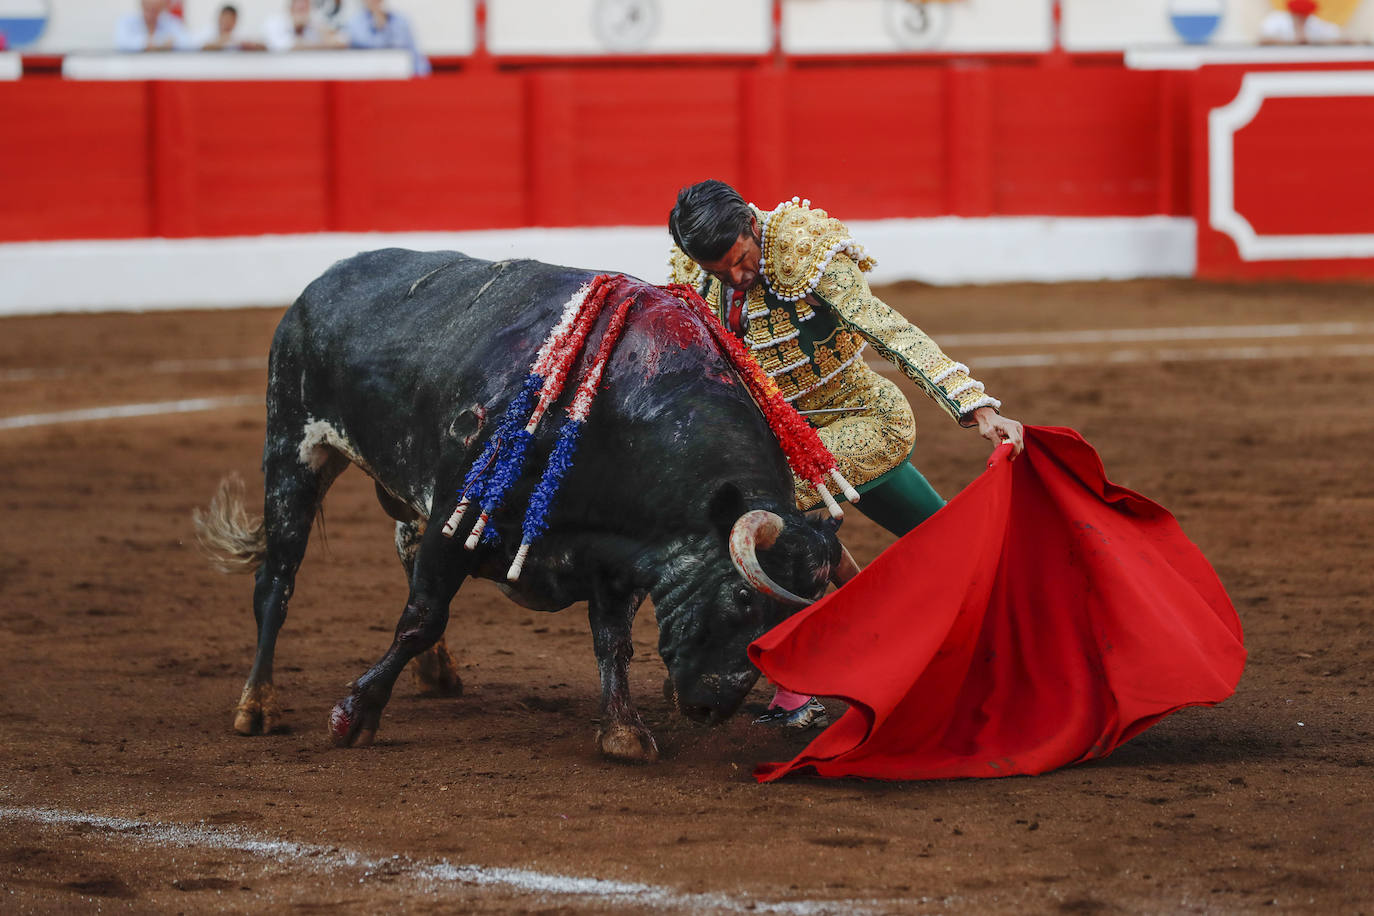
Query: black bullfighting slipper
[{"x": 810, "y": 714}]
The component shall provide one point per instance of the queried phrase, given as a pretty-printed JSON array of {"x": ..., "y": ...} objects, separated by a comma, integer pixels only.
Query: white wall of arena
[{"x": 589, "y": 27}]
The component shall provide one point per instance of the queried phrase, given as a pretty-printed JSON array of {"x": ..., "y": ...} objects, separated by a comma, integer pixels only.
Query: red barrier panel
[
  {"x": 1301, "y": 167},
  {"x": 441, "y": 154},
  {"x": 1077, "y": 141},
  {"x": 587, "y": 144},
  {"x": 612, "y": 147},
  {"x": 868, "y": 141},
  {"x": 74, "y": 160},
  {"x": 241, "y": 158},
  {"x": 1281, "y": 172}
]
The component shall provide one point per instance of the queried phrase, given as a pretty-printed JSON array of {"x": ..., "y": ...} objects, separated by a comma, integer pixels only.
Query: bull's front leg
[
  {"x": 623, "y": 734},
  {"x": 440, "y": 568}
]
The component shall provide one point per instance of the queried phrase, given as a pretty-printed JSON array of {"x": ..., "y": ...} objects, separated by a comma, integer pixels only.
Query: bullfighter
[{"x": 790, "y": 282}]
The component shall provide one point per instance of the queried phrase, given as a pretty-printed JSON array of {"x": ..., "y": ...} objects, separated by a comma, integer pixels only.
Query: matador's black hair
[{"x": 707, "y": 220}]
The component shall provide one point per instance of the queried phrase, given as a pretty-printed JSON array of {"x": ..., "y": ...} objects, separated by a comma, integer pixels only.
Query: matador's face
[{"x": 738, "y": 268}]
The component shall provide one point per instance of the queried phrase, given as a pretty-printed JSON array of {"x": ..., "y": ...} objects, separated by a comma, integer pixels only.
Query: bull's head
[{"x": 725, "y": 590}]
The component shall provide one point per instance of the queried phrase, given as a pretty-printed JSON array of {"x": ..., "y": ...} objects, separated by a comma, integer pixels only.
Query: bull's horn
[
  {"x": 754, "y": 529},
  {"x": 847, "y": 569}
]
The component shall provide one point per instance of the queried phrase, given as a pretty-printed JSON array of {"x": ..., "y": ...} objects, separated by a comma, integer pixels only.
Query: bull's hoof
[
  {"x": 347, "y": 727},
  {"x": 259, "y": 711},
  {"x": 436, "y": 673},
  {"x": 627, "y": 744}
]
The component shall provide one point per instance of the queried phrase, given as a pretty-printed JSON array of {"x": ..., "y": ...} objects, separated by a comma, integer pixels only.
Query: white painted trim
[
  {"x": 1222, "y": 125},
  {"x": 271, "y": 270},
  {"x": 1321, "y": 351},
  {"x": 1191, "y": 58},
  {"x": 589, "y": 28},
  {"x": 126, "y": 411},
  {"x": 968, "y": 341},
  {"x": 188, "y": 65},
  {"x": 996, "y": 361},
  {"x": 542, "y": 888},
  {"x": 950, "y": 250},
  {"x": 1160, "y": 355},
  {"x": 11, "y": 65},
  {"x": 1144, "y": 335},
  {"x": 23, "y": 375}
]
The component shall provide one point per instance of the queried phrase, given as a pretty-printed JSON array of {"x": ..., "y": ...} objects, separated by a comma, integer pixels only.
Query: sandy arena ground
[{"x": 123, "y": 787}]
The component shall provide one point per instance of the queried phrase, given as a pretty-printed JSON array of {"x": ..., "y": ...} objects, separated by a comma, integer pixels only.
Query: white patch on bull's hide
[
  {"x": 316, "y": 435},
  {"x": 408, "y": 536}
]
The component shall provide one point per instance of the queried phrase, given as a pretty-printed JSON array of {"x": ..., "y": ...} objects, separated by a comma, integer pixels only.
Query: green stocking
[{"x": 900, "y": 500}]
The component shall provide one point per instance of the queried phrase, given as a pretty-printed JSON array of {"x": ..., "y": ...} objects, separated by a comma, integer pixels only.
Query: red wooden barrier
[
  {"x": 1281, "y": 171},
  {"x": 233, "y": 158},
  {"x": 589, "y": 144},
  {"x": 75, "y": 160},
  {"x": 439, "y": 154}
]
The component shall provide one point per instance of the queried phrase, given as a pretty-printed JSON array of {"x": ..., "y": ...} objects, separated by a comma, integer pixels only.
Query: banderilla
[{"x": 807, "y": 413}]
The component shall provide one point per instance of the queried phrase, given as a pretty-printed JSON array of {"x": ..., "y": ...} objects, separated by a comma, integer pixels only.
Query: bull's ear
[
  {"x": 823, "y": 520},
  {"x": 725, "y": 508}
]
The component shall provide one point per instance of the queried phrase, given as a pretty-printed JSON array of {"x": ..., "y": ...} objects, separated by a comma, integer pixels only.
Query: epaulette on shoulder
[
  {"x": 798, "y": 243},
  {"x": 682, "y": 269}
]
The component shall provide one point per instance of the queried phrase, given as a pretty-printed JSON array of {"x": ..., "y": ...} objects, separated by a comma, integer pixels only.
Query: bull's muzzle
[{"x": 712, "y": 701}]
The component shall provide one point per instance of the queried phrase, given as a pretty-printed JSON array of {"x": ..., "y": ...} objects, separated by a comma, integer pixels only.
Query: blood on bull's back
[{"x": 401, "y": 363}]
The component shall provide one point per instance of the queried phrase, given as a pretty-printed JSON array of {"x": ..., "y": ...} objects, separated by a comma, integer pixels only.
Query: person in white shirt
[
  {"x": 298, "y": 30},
  {"x": 1299, "y": 25},
  {"x": 153, "y": 28}
]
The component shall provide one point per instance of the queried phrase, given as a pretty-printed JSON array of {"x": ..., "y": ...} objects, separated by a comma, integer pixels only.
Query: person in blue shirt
[{"x": 375, "y": 26}]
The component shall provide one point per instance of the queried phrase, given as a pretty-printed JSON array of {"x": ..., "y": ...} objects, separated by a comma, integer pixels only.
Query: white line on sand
[
  {"x": 123, "y": 411},
  {"x": 1142, "y": 335},
  {"x": 435, "y": 876},
  {"x": 1007, "y": 338},
  {"x": 158, "y": 367},
  {"x": 1173, "y": 355},
  {"x": 1161, "y": 355},
  {"x": 992, "y": 361}
]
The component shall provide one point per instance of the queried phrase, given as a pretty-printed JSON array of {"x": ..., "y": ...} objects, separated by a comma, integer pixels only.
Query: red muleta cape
[{"x": 1043, "y": 617}]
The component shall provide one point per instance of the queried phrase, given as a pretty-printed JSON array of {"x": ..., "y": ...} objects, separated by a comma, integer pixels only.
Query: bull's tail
[{"x": 231, "y": 540}]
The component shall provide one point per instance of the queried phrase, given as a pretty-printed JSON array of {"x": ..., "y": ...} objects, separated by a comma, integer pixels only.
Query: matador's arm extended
[{"x": 844, "y": 288}]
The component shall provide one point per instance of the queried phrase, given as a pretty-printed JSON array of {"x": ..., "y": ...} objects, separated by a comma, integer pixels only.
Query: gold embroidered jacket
[{"x": 814, "y": 315}]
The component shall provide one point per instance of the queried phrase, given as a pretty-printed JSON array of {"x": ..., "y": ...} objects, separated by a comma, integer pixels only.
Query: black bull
[{"x": 403, "y": 362}]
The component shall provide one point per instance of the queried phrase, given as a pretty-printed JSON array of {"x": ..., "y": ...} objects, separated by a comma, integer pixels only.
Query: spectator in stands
[
  {"x": 299, "y": 30},
  {"x": 153, "y": 28},
  {"x": 222, "y": 38},
  {"x": 377, "y": 27},
  {"x": 1299, "y": 25},
  {"x": 333, "y": 13}
]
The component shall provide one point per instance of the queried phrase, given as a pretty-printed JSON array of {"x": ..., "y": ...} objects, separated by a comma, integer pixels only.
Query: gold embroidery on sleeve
[{"x": 894, "y": 338}]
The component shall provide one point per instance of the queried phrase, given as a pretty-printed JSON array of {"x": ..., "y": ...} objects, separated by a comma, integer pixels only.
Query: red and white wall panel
[
  {"x": 955, "y": 169},
  {"x": 585, "y": 146},
  {"x": 1283, "y": 184}
]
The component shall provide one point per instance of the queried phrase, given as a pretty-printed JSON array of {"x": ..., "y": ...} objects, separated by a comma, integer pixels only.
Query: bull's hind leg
[
  {"x": 440, "y": 567},
  {"x": 435, "y": 671},
  {"x": 294, "y": 490},
  {"x": 623, "y": 734}
]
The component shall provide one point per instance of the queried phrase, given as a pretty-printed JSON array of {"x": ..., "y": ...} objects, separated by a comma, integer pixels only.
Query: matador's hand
[{"x": 998, "y": 429}]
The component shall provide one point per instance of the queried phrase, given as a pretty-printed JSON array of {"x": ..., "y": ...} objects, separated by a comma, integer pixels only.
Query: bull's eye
[{"x": 744, "y": 595}]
